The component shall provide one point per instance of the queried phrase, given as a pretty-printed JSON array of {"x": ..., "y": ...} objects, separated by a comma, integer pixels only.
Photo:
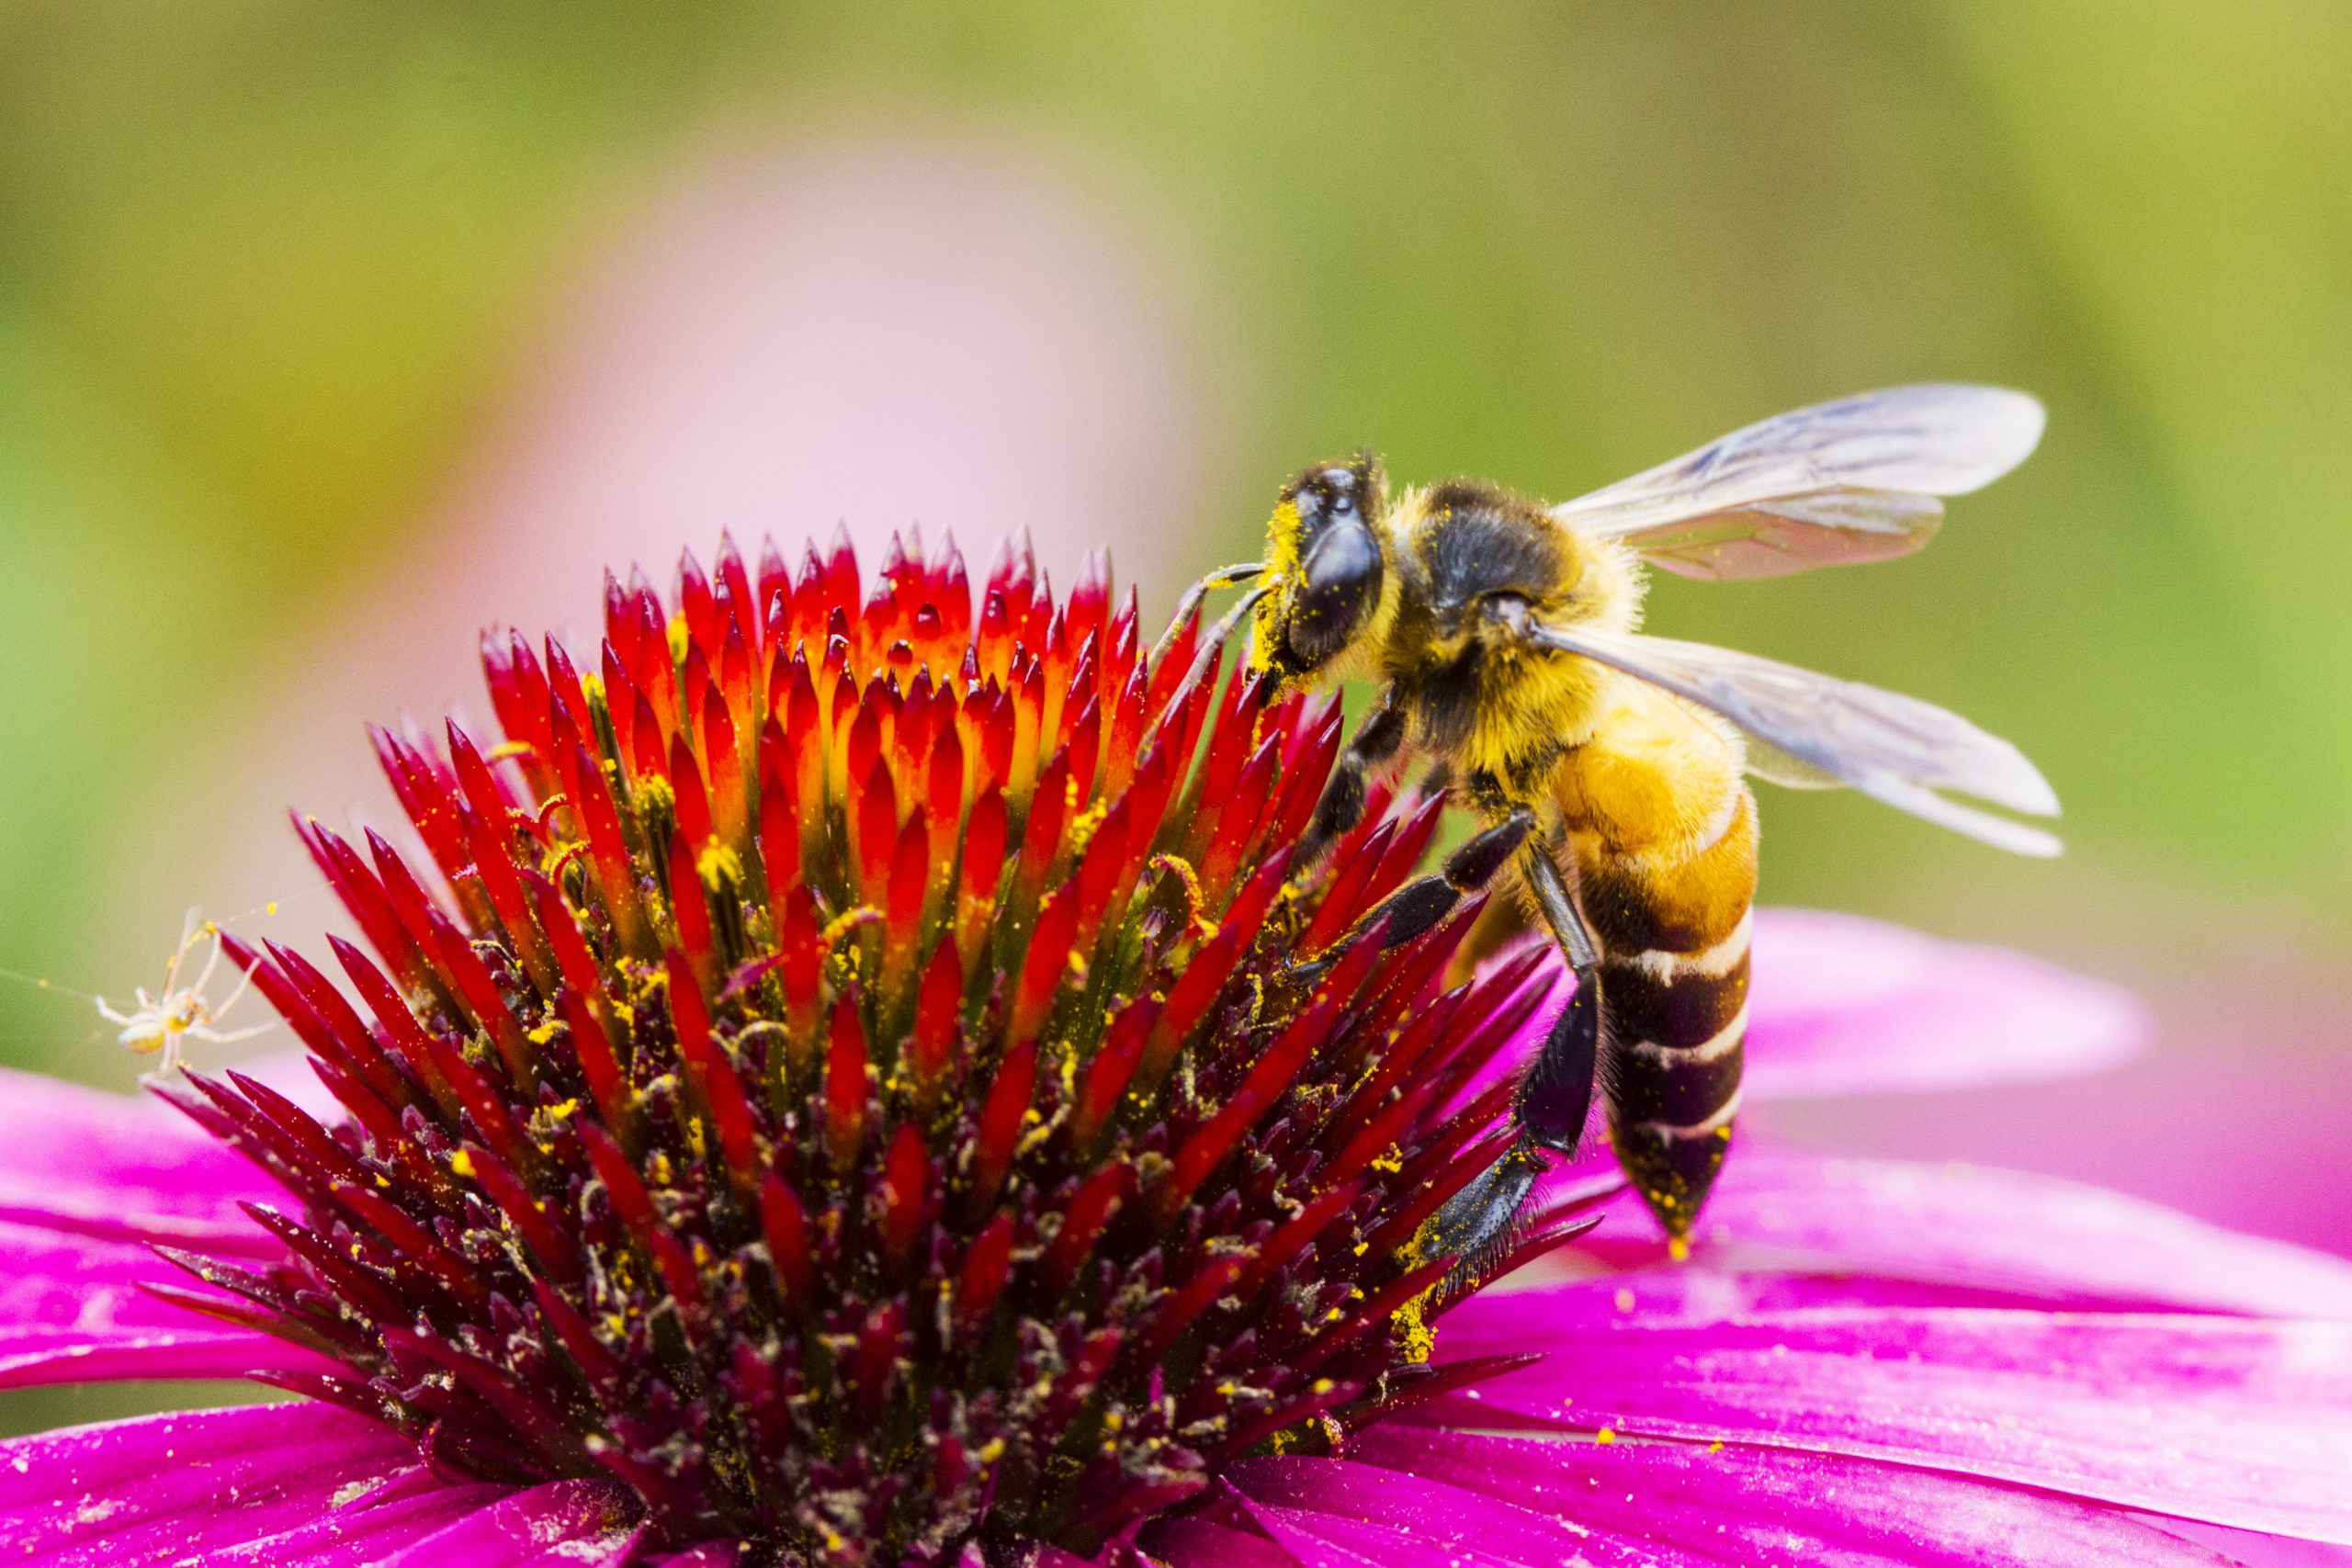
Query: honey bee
[{"x": 1608, "y": 766}]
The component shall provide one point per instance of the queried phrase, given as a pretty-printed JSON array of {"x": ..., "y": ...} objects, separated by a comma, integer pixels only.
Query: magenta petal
[
  {"x": 1326, "y": 1510},
  {"x": 2252, "y": 1551},
  {"x": 582, "y": 1522},
  {"x": 360, "y": 1533},
  {"x": 107, "y": 1165},
  {"x": 2233, "y": 1421},
  {"x": 1753, "y": 1505},
  {"x": 229, "y": 1353},
  {"x": 1842, "y": 1005},
  {"x": 73, "y": 1308},
  {"x": 1194, "y": 1542},
  {"x": 201, "y": 1484},
  {"x": 2006, "y": 1232}
]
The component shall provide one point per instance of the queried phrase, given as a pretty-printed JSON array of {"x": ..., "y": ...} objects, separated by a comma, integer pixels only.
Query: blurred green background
[{"x": 268, "y": 271}]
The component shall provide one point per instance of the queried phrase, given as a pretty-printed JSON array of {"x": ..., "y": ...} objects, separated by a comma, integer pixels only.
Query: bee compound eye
[{"x": 1341, "y": 578}]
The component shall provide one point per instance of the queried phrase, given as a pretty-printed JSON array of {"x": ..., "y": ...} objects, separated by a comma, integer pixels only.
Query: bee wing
[
  {"x": 1894, "y": 749},
  {"x": 1836, "y": 484}
]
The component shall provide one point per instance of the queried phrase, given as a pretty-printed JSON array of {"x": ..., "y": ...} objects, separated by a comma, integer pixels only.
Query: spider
[{"x": 160, "y": 1023}]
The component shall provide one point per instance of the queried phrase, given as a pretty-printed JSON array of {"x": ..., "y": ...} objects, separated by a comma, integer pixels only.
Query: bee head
[{"x": 1325, "y": 540}]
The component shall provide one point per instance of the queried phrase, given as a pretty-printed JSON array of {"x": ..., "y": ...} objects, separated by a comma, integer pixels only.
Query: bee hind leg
[
  {"x": 1555, "y": 1096},
  {"x": 1474, "y": 1224},
  {"x": 1553, "y": 1099}
]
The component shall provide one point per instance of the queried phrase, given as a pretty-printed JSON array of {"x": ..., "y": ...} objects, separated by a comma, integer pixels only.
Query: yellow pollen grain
[
  {"x": 462, "y": 1164},
  {"x": 1605, "y": 1434},
  {"x": 1082, "y": 827},
  {"x": 1415, "y": 1340},
  {"x": 719, "y": 868}
]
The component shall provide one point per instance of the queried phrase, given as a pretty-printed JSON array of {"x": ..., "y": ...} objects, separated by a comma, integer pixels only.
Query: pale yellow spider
[{"x": 160, "y": 1023}]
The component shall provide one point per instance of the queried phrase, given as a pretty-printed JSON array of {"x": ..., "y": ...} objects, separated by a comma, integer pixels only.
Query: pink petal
[
  {"x": 1194, "y": 1543},
  {"x": 360, "y": 1533},
  {"x": 2252, "y": 1550},
  {"x": 582, "y": 1522},
  {"x": 2232, "y": 1421},
  {"x": 1842, "y": 1005},
  {"x": 1998, "y": 1231},
  {"x": 1328, "y": 1511},
  {"x": 317, "y": 1484},
  {"x": 1753, "y": 1505},
  {"x": 73, "y": 1308},
  {"x": 107, "y": 1165}
]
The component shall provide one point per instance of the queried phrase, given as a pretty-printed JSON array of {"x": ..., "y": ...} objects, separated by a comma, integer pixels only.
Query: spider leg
[
  {"x": 109, "y": 1014},
  {"x": 179, "y": 954},
  {"x": 204, "y": 975},
  {"x": 244, "y": 979},
  {"x": 230, "y": 1037}
]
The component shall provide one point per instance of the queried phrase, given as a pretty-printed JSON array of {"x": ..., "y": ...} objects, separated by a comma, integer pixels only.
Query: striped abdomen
[{"x": 1664, "y": 842}]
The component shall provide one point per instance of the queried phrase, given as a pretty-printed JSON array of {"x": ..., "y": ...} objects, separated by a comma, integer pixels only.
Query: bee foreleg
[
  {"x": 1557, "y": 1095},
  {"x": 1376, "y": 739}
]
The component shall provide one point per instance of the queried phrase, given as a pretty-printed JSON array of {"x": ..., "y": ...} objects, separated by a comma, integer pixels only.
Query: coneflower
[
  {"x": 851, "y": 1078},
  {"x": 870, "y": 1079}
]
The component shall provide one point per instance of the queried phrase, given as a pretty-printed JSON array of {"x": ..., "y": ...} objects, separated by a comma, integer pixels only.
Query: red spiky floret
[{"x": 867, "y": 1078}]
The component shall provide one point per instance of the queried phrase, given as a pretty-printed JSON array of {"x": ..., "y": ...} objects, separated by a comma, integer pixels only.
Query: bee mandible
[{"x": 1607, "y": 766}]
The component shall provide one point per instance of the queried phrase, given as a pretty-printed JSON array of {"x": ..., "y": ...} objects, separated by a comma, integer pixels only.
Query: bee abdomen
[
  {"x": 1676, "y": 1022},
  {"x": 1663, "y": 831}
]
